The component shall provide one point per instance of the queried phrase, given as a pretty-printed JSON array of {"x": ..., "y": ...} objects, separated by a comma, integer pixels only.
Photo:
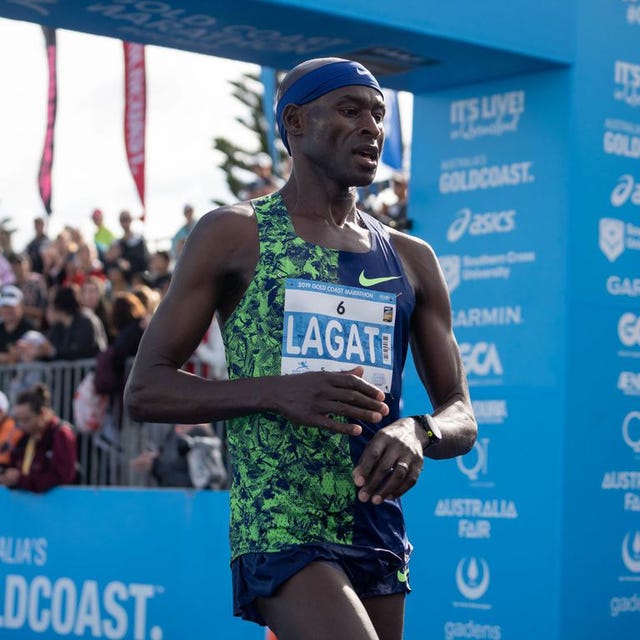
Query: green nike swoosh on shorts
[{"x": 371, "y": 282}]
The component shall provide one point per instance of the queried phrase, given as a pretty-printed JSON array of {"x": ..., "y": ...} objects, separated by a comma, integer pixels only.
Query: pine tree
[{"x": 249, "y": 91}]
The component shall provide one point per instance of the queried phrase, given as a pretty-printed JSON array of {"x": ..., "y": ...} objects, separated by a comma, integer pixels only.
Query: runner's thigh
[
  {"x": 317, "y": 603},
  {"x": 387, "y": 615}
]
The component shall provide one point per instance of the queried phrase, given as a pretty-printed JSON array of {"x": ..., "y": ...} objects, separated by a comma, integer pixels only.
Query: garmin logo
[
  {"x": 619, "y": 286},
  {"x": 473, "y": 578},
  {"x": 491, "y": 115},
  {"x": 481, "y": 224},
  {"x": 626, "y": 190},
  {"x": 490, "y": 411},
  {"x": 487, "y": 317},
  {"x": 627, "y": 80}
]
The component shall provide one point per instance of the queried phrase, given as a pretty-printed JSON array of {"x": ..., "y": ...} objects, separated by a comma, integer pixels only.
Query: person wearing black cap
[{"x": 318, "y": 303}]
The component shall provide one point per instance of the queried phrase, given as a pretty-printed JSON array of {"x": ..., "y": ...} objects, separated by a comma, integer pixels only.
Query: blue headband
[{"x": 316, "y": 83}]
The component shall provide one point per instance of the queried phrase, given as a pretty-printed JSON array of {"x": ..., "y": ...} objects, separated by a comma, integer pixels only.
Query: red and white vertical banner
[
  {"x": 46, "y": 163},
  {"x": 135, "y": 112}
]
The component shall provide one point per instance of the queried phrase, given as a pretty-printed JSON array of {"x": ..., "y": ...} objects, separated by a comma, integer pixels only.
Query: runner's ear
[{"x": 293, "y": 120}]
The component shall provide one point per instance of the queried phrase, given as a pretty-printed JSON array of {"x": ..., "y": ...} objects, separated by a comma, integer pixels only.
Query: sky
[{"x": 189, "y": 103}]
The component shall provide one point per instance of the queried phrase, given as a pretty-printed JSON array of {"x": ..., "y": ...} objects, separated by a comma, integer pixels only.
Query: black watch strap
[{"x": 429, "y": 425}]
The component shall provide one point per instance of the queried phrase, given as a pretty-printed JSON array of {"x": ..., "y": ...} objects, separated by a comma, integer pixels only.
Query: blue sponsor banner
[
  {"x": 118, "y": 564},
  {"x": 601, "y": 523},
  {"x": 491, "y": 198}
]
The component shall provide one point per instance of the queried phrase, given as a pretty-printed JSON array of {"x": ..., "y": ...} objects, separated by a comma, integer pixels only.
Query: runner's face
[{"x": 345, "y": 134}]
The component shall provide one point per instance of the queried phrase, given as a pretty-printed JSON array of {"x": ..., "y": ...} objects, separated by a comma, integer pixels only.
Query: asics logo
[{"x": 372, "y": 282}]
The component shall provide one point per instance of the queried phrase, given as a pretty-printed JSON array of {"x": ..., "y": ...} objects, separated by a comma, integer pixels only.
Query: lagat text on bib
[{"x": 332, "y": 327}]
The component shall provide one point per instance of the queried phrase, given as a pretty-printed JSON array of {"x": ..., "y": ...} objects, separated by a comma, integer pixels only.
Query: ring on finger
[{"x": 402, "y": 465}]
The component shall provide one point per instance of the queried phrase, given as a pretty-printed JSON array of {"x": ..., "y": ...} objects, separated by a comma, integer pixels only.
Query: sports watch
[{"x": 427, "y": 422}]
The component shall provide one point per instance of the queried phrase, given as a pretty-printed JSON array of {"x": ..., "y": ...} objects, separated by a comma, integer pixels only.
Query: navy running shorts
[{"x": 372, "y": 572}]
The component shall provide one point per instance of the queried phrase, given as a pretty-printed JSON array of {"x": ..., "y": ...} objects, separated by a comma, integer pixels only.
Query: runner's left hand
[{"x": 391, "y": 463}]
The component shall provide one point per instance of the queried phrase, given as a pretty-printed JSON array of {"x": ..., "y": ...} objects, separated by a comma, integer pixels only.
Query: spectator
[
  {"x": 160, "y": 271},
  {"x": 173, "y": 464},
  {"x": 393, "y": 203},
  {"x": 93, "y": 296},
  {"x": 26, "y": 350},
  {"x": 33, "y": 287},
  {"x": 127, "y": 315},
  {"x": 14, "y": 324},
  {"x": 76, "y": 238},
  {"x": 127, "y": 318},
  {"x": 132, "y": 246},
  {"x": 9, "y": 433},
  {"x": 103, "y": 237},
  {"x": 6, "y": 272},
  {"x": 34, "y": 248},
  {"x": 266, "y": 181},
  {"x": 149, "y": 297},
  {"x": 118, "y": 277},
  {"x": 6, "y": 246},
  {"x": 54, "y": 265},
  {"x": 75, "y": 332},
  {"x": 87, "y": 263},
  {"x": 45, "y": 456},
  {"x": 180, "y": 237}
]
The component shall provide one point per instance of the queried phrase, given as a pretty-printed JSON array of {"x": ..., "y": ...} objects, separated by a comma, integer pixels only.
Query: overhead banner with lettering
[
  {"x": 135, "y": 108},
  {"x": 46, "y": 163}
]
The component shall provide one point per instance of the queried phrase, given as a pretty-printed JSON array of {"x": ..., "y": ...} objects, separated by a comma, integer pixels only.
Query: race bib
[{"x": 330, "y": 327}]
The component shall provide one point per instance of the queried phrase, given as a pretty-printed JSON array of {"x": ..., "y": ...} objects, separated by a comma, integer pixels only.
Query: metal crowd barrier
[{"x": 103, "y": 456}]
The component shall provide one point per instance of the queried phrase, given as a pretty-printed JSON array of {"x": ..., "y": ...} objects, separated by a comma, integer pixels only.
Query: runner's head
[{"x": 314, "y": 78}]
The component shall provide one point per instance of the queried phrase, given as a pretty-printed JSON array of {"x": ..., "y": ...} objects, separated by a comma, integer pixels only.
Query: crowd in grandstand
[{"x": 71, "y": 298}]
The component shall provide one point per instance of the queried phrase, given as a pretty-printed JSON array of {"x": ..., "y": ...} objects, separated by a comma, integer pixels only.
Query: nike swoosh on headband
[{"x": 371, "y": 282}]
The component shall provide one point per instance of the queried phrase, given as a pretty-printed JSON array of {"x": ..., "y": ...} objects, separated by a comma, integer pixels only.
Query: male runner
[{"x": 318, "y": 303}]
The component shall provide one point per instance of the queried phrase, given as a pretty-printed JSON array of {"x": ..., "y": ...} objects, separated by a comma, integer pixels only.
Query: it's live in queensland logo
[
  {"x": 491, "y": 115},
  {"x": 632, "y": 11},
  {"x": 627, "y": 82}
]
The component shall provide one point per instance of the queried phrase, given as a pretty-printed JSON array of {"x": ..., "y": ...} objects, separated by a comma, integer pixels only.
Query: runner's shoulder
[{"x": 411, "y": 248}]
